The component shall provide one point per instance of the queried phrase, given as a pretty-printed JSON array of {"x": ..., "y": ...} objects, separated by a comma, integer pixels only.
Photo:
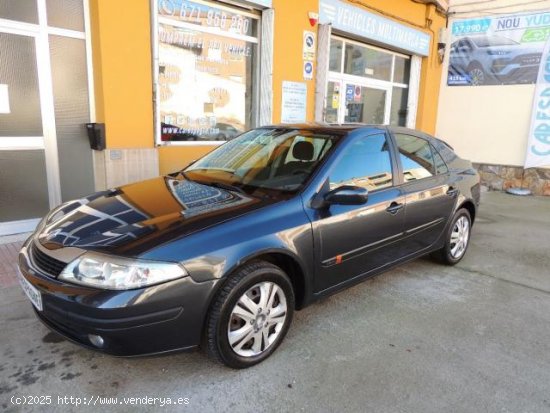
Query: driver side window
[{"x": 366, "y": 163}]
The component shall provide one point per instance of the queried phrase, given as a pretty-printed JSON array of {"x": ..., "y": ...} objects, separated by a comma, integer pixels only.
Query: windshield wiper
[{"x": 225, "y": 186}]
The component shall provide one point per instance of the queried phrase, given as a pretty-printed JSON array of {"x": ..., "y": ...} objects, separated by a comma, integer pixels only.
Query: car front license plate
[{"x": 31, "y": 292}]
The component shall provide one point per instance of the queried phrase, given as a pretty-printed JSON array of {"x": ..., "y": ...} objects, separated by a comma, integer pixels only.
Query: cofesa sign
[{"x": 538, "y": 148}]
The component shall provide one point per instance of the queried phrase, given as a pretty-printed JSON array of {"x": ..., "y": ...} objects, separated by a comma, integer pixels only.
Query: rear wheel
[
  {"x": 458, "y": 239},
  {"x": 250, "y": 315}
]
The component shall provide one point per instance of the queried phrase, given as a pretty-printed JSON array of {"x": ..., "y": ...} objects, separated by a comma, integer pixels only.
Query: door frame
[{"x": 48, "y": 141}]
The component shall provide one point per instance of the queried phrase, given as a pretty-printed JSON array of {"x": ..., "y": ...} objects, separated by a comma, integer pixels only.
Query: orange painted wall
[
  {"x": 123, "y": 84},
  {"x": 291, "y": 19},
  {"x": 123, "y": 76}
]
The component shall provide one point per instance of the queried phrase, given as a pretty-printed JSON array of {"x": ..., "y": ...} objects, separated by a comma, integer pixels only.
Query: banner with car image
[{"x": 497, "y": 50}]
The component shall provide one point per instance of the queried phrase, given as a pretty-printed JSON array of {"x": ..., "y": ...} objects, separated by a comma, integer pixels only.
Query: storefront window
[
  {"x": 399, "y": 99},
  {"x": 207, "y": 58},
  {"x": 371, "y": 87},
  {"x": 402, "y": 70},
  {"x": 367, "y": 62},
  {"x": 335, "y": 59}
]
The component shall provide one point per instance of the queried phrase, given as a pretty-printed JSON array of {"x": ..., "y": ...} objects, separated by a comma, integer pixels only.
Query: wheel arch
[
  {"x": 287, "y": 261},
  {"x": 470, "y": 207}
]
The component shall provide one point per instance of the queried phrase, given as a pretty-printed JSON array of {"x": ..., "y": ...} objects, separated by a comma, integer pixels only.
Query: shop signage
[
  {"x": 308, "y": 70},
  {"x": 309, "y": 45},
  {"x": 497, "y": 50},
  {"x": 294, "y": 102},
  {"x": 354, "y": 20},
  {"x": 357, "y": 94},
  {"x": 336, "y": 96},
  {"x": 538, "y": 143},
  {"x": 350, "y": 91}
]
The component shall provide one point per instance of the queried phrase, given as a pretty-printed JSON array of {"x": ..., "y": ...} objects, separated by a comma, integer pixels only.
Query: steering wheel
[{"x": 299, "y": 171}]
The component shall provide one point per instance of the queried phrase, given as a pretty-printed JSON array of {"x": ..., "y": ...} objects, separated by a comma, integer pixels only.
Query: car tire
[
  {"x": 250, "y": 315},
  {"x": 477, "y": 74},
  {"x": 457, "y": 239}
]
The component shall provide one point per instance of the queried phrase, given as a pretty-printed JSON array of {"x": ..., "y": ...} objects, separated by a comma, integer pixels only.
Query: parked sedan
[{"x": 222, "y": 253}]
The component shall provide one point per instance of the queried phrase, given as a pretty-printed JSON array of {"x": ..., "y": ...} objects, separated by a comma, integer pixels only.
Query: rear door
[{"x": 429, "y": 195}]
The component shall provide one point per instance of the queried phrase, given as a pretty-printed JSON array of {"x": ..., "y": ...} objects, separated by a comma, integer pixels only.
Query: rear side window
[
  {"x": 416, "y": 157},
  {"x": 440, "y": 166},
  {"x": 365, "y": 162}
]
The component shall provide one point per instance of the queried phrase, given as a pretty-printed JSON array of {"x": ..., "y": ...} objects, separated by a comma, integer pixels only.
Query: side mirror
[{"x": 347, "y": 195}]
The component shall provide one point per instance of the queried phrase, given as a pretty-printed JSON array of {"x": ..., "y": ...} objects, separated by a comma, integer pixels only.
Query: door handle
[
  {"x": 452, "y": 191},
  {"x": 394, "y": 208}
]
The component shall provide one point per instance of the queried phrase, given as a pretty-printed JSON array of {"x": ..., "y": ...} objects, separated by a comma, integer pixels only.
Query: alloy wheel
[
  {"x": 477, "y": 76},
  {"x": 257, "y": 319},
  {"x": 460, "y": 237}
]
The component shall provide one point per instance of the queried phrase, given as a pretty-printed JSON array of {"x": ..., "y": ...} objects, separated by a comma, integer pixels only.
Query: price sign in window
[{"x": 206, "y": 71}]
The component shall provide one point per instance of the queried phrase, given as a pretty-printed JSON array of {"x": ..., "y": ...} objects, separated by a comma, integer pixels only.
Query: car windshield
[
  {"x": 275, "y": 159},
  {"x": 492, "y": 41}
]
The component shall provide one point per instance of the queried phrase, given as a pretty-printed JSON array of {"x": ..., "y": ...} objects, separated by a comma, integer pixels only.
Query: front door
[
  {"x": 45, "y": 157},
  {"x": 354, "y": 240}
]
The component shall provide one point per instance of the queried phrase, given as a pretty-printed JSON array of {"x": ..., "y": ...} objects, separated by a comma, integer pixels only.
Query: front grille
[{"x": 45, "y": 263}]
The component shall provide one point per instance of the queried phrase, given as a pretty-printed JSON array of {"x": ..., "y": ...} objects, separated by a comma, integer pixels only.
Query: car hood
[{"x": 133, "y": 219}]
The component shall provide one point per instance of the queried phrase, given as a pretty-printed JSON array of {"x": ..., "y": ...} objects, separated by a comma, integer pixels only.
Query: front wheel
[
  {"x": 458, "y": 239},
  {"x": 250, "y": 315}
]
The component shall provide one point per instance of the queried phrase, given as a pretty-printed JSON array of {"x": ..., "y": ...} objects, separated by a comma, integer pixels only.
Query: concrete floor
[{"x": 420, "y": 338}]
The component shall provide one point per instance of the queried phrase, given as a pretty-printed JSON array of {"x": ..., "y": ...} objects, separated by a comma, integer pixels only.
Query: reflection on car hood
[{"x": 134, "y": 218}]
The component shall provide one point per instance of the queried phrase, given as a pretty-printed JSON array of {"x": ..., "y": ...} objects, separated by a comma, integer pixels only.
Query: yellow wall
[
  {"x": 123, "y": 77},
  {"x": 123, "y": 84},
  {"x": 291, "y": 19}
]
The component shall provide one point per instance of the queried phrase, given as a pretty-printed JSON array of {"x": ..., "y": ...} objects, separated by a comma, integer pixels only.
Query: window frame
[
  {"x": 436, "y": 152},
  {"x": 347, "y": 140},
  {"x": 401, "y": 175},
  {"x": 249, "y": 11}
]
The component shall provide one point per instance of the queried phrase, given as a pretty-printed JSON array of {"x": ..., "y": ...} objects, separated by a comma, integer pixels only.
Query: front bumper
[{"x": 158, "y": 319}]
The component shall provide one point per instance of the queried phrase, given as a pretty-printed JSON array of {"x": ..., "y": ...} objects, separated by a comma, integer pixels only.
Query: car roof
[{"x": 345, "y": 128}]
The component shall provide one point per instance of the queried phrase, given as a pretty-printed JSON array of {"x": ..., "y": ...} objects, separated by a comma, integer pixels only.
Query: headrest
[{"x": 303, "y": 151}]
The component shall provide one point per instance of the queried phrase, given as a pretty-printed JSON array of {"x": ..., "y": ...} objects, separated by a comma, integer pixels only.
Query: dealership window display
[{"x": 206, "y": 70}]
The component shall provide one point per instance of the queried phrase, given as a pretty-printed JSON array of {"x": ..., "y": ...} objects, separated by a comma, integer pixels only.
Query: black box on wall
[{"x": 96, "y": 135}]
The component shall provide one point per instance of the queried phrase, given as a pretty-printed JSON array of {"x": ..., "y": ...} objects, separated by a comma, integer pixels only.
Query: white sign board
[
  {"x": 538, "y": 143},
  {"x": 294, "y": 102},
  {"x": 309, "y": 45},
  {"x": 4, "y": 99}
]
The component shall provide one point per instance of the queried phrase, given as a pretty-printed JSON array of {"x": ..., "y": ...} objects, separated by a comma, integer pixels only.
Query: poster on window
[
  {"x": 206, "y": 67},
  {"x": 497, "y": 50}
]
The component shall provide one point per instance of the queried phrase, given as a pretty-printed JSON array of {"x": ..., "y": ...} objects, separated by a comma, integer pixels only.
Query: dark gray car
[{"x": 220, "y": 254}]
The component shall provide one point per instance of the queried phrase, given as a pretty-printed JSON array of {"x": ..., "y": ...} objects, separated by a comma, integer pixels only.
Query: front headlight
[{"x": 115, "y": 273}]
